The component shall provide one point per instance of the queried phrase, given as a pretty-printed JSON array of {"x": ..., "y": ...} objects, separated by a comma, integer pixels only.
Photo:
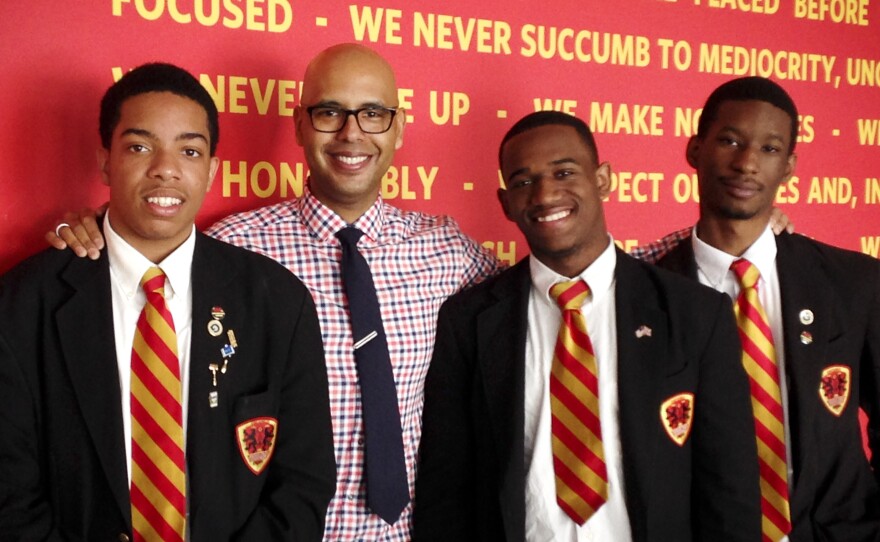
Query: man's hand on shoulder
[{"x": 79, "y": 232}]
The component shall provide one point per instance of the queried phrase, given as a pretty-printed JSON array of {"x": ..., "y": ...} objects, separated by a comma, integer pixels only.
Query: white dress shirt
[
  {"x": 127, "y": 267},
  {"x": 545, "y": 520},
  {"x": 713, "y": 269}
]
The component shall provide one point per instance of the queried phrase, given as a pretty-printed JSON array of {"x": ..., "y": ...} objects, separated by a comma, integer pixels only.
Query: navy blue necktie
[{"x": 387, "y": 487}]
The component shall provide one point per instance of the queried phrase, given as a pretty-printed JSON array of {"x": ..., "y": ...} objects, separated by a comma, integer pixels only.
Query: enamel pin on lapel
[
  {"x": 643, "y": 331},
  {"x": 215, "y": 328},
  {"x": 834, "y": 388},
  {"x": 677, "y": 414},
  {"x": 256, "y": 442}
]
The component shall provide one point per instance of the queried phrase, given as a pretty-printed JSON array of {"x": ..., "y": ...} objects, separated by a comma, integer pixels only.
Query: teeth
[
  {"x": 352, "y": 160},
  {"x": 164, "y": 201},
  {"x": 553, "y": 217}
]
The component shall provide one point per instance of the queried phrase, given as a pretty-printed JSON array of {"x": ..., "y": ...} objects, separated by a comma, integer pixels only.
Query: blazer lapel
[
  {"x": 210, "y": 274},
  {"x": 501, "y": 330},
  {"x": 802, "y": 289},
  {"x": 85, "y": 329},
  {"x": 643, "y": 361}
]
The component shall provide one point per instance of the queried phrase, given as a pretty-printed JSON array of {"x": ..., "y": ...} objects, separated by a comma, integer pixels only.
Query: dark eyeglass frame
[{"x": 356, "y": 113}]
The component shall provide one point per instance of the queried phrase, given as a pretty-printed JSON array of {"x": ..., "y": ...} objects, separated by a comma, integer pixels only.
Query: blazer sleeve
[
  {"x": 444, "y": 501},
  {"x": 870, "y": 366},
  {"x": 302, "y": 476},
  {"x": 726, "y": 492},
  {"x": 25, "y": 510}
]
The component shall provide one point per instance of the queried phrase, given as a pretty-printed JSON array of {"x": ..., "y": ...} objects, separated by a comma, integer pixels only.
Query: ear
[
  {"x": 400, "y": 124},
  {"x": 603, "y": 179},
  {"x": 692, "y": 151},
  {"x": 103, "y": 157},
  {"x": 212, "y": 172},
  {"x": 502, "y": 199},
  {"x": 789, "y": 167},
  {"x": 298, "y": 115}
]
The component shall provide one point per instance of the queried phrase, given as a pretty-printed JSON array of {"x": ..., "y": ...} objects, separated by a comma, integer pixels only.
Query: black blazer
[
  {"x": 62, "y": 457},
  {"x": 835, "y": 495},
  {"x": 471, "y": 479}
]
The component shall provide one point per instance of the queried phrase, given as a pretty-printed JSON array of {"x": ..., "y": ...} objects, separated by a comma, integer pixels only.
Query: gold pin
[
  {"x": 232, "y": 341},
  {"x": 218, "y": 313},
  {"x": 215, "y": 328},
  {"x": 213, "y": 368},
  {"x": 806, "y": 317},
  {"x": 225, "y": 363},
  {"x": 806, "y": 337}
]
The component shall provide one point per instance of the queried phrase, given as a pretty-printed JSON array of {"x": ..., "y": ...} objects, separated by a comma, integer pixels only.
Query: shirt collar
[
  {"x": 128, "y": 265},
  {"x": 599, "y": 276},
  {"x": 323, "y": 222},
  {"x": 715, "y": 264}
]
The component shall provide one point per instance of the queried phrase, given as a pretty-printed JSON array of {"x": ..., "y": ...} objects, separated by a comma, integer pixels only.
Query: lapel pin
[
  {"x": 806, "y": 317},
  {"x": 834, "y": 388},
  {"x": 231, "y": 336},
  {"x": 227, "y": 350},
  {"x": 643, "y": 331},
  {"x": 218, "y": 313},
  {"x": 213, "y": 368},
  {"x": 215, "y": 328},
  {"x": 806, "y": 337},
  {"x": 213, "y": 399}
]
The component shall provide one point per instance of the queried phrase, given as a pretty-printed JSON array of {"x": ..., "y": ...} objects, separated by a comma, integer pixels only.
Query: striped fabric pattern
[
  {"x": 158, "y": 485},
  {"x": 759, "y": 361},
  {"x": 578, "y": 457}
]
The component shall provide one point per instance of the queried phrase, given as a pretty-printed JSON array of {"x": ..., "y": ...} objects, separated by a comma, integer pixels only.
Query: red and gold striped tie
[
  {"x": 759, "y": 360},
  {"x": 158, "y": 484},
  {"x": 578, "y": 458}
]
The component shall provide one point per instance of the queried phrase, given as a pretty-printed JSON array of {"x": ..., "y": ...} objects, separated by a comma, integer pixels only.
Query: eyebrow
[
  {"x": 333, "y": 103},
  {"x": 185, "y": 136},
  {"x": 773, "y": 135},
  {"x": 557, "y": 162}
]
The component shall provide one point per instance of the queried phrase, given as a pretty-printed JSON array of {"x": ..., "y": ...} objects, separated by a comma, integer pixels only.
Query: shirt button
[
  {"x": 350, "y": 497},
  {"x": 123, "y": 537},
  {"x": 360, "y": 442}
]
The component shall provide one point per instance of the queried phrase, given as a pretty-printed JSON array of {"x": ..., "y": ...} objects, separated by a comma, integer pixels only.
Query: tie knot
[
  {"x": 570, "y": 295},
  {"x": 153, "y": 281},
  {"x": 747, "y": 273},
  {"x": 349, "y": 235}
]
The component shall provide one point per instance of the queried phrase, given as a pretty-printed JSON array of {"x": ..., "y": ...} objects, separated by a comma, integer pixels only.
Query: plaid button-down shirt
[
  {"x": 417, "y": 261},
  {"x": 652, "y": 252}
]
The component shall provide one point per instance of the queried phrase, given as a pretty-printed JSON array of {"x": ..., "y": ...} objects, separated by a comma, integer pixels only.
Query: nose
[
  {"x": 351, "y": 131},
  {"x": 165, "y": 165},
  {"x": 543, "y": 191},
  {"x": 746, "y": 159}
]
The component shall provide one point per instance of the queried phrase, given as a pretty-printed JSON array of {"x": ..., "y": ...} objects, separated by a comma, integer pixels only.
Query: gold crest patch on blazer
[
  {"x": 834, "y": 388},
  {"x": 256, "y": 442},
  {"x": 677, "y": 414}
]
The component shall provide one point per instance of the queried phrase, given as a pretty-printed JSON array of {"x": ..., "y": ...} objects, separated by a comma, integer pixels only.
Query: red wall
[{"x": 636, "y": 70}]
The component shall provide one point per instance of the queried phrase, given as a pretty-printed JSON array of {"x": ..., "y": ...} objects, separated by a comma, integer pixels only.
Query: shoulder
[
  {"x": 671, "y": 290},
  {"x": 798, "y": 246},
  {"x": 261, "y": 219},
  {"x": 252, "y": 267},
  {"x": 510, "y": 284},
  {"x": 415, "y": 224}
]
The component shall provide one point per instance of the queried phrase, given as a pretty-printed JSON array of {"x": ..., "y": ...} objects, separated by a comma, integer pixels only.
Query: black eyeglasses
[{"x": 371, "y": 120}]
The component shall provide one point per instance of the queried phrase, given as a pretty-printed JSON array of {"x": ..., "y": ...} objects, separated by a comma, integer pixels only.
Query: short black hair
[
  {"x": 745, "y": 89},
  {"x": 155, "y": 77},
  {"x": 549, "y": 118}
]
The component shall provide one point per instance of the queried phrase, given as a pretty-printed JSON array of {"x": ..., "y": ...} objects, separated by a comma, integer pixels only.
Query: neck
[{"x": 729, "y": 235}]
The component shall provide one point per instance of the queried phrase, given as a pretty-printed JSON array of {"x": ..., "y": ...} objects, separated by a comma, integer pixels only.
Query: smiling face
[
  {"x": 741, "y": 161},
  {"x": 347, "y": 167},
  {"x": 159, "y": 169},
  {"x": 554, "y": 195}
]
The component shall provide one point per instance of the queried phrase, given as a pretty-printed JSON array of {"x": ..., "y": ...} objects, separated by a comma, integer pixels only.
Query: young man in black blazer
[
  {"x": 679, "y": 453},
  {"x": 257, "y": 456}
]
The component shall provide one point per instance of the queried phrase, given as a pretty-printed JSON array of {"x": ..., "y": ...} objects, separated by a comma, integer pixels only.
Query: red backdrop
[{"x": 636, "y": 70}]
